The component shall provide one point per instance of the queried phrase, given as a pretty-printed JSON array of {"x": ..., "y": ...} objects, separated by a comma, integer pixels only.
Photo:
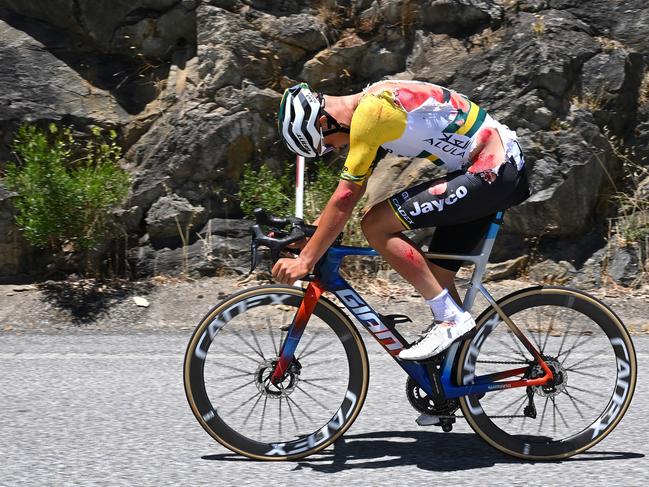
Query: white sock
[{"x": 444, "y": 306}]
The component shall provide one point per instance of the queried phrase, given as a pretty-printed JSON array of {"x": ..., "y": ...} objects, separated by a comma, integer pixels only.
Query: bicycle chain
[
  {"x": 500, "y": 362},
  {"x": 501, "y": 416},
  {"x": 504, "y": 416}
]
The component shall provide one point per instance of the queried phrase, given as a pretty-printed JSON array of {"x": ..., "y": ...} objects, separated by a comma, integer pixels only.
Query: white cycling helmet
[{"x": 297, "y": 122}]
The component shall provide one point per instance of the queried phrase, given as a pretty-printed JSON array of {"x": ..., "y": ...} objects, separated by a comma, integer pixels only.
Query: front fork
[{"x": 304, "y": 312}]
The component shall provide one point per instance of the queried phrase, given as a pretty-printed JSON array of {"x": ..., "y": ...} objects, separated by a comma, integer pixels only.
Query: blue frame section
[{"x": 330, "y": 280}]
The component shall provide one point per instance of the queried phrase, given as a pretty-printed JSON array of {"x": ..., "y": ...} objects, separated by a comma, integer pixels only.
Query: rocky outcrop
[
  {"x": 150, "y": 28},
  {"x": 193, "y": 88}
]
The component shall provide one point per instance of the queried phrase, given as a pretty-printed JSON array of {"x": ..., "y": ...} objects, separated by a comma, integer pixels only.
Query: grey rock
[
  {"x": 173, "y": 217},
  {"x": 436, "y": 57},
  {"x": 222, "y": 244},
  {"x": 36, "y": 85},
  {"x": 610, "y": 82},
  {"x": 460, "y": 16},
  {"x": 148, "y": 27},
  {"x": 624, "y": 263},
  {"x": 551, "y": 272},
  {"x": 589, "y": 276},
  {"x": 199, "y": 149},
  {"x": 13, "y": 247},
  {"x": 506, "y": 269}
]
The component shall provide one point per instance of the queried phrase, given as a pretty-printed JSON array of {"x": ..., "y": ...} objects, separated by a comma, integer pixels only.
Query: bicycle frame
[{"x": 438, "y": 383}]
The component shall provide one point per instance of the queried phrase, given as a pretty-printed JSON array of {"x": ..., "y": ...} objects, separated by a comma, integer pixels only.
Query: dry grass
[
  {"x": 609, "y": 45},
  {"x": 643, "y": 95},
  {"x": 538, "y": 26},
  {"x": 588, "y": 101}
]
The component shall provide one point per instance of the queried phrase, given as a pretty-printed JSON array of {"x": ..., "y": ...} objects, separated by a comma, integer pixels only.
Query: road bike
[{"x": 548, "y": 372}]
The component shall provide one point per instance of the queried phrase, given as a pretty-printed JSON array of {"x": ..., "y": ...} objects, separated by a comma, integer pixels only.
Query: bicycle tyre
[
  {"x": 265, "y": 299},
  {"x": 582, "y": 307}
]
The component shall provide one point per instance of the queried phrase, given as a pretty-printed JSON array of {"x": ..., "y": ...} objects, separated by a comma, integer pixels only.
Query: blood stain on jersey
[
  {"x": 411, "y": 99},
  {"x": 459, "y": 102},
  {"x": 485, "y": 136},
  {"x": 484, "y": 162},
  {"x": 438, "y": 189}
]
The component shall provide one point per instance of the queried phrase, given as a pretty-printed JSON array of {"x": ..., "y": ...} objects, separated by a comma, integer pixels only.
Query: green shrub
[
  {"x": 66, "y": 189},
  {"x": 262, "y": 189}
]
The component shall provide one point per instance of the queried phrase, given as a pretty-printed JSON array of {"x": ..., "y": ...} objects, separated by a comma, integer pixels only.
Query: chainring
[{"x": 419, "y": 400}]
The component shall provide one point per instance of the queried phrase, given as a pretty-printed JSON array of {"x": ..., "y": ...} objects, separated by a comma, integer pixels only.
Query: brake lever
[
  {"x": 254, "y": 258},
  {"x": 275, "y": 245}
]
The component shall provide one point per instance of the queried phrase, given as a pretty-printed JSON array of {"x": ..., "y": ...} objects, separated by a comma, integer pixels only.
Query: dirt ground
[{"x": 168, "y": 304}]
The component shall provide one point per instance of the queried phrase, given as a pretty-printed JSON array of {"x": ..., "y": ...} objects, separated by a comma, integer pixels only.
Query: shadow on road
[
  {"x": 440, "y": 452},
  {"x": 87, "y": 299}
]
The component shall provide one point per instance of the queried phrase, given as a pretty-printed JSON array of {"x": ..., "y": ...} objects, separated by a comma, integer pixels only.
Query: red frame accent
[{"x": 312, "y": 294}]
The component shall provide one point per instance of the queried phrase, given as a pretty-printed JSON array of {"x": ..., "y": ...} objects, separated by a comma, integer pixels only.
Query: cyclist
[{"x": 486, "y": 173}]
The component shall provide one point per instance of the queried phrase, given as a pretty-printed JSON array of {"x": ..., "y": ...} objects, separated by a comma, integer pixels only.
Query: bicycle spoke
[
  {"x": 547, "y": 334},
  {"x": 325, "y": 361},
  {"x": 306, "y": 347},
  {"x": 593, "y": 366},
  {"x": 587, "y": 374},
  {"x": 596, "y": 354},
  {"x": 515, "y": 401},
  {"x": 263, "y": 415},
  {"x": 554, "y": 405},
  {"x": 243, "y": 403},
  {"x": 587, "y": 391},
  {"x": 519, "y": 352},
  {"x": 232, "y": 368},
  {"x": 229, "y": 377},
  {"x": 238, "y": 388},
  {"x": 316, "y": 350},
  {"x": 577, "y": 343},
  {"x": 290, "y": 410},
  {"x": 238, "y": 335},
  {"x": 272, "y": 336},
  {"x": 319, "y": 386},
  {"x": 312, "y": 398},
  {"x": 538, "y": 331},
  {"x": 252, "y": 408},
  {"x": 520, "y": 428},
  {"x": 279, "y": 423},
  {"x": 575, "y": 398},
  {"x": 288, "y": 398},
  {"x": 545, "y": 406},
  {"x": 254, "y": 337},
  {"x": 581, "y": 415},
  {"x": 237, "y": 352},
  {"x": 563, "y": 340},
  {"x": 554, "y": 417}
]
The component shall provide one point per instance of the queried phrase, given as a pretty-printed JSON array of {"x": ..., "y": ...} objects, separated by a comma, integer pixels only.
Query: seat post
[{"x": 481, "y": 263}]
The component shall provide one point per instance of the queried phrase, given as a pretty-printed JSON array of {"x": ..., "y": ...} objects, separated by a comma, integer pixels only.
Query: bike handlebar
[{"x": 280, "y": 238}]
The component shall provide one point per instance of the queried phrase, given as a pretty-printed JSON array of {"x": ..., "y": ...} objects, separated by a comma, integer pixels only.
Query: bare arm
[{"x": 330, "y": 223}]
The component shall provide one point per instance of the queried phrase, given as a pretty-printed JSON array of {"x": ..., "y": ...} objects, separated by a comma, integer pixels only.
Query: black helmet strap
[{"x": 331, "y": 121}]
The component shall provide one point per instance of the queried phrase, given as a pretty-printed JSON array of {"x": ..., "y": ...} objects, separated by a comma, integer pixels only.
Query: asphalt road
[{"x": 109, "y": 409}]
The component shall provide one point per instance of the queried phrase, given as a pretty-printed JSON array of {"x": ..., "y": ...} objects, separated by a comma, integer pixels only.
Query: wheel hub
[
  {"x": 558, "y": 382},
  {"x": 284, "y": 387}
]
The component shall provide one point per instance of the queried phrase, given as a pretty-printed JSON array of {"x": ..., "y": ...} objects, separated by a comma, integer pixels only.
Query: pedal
[
  {"x": 394, "y": 320},
  {"x": 428, "y": 420},
  {"x": 447, "y": 424}
]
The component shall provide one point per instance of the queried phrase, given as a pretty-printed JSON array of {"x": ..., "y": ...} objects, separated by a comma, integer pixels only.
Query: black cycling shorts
[{"x": 463, "y": 212}]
